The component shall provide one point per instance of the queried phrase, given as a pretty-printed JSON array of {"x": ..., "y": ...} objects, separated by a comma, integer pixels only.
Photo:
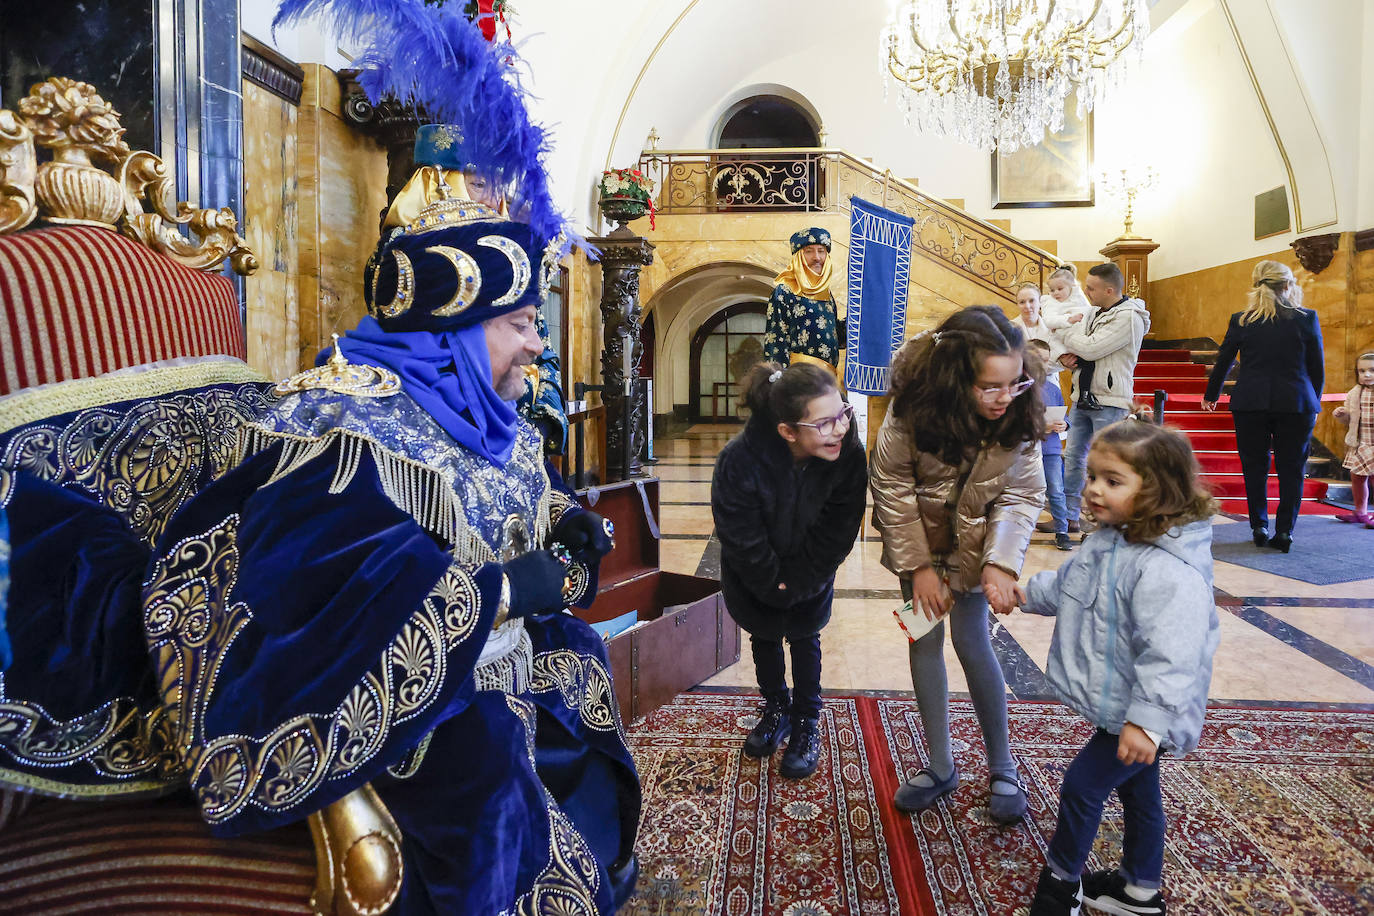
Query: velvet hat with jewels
[
  {"x": 812, "y": 236},
  {"x": 456, "y": 264}
]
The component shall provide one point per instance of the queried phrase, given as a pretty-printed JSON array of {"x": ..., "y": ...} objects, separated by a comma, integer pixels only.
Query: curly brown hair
[
  {"x": 1171, "y": 490},
  {"x": 932, "y": 386}
]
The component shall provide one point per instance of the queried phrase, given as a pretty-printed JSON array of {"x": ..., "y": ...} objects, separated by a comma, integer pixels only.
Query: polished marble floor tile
[
  {"x": 1349, "y": 629},
  {"x": 681, "y": 556},
  {"x": 1282, "y": 640}
]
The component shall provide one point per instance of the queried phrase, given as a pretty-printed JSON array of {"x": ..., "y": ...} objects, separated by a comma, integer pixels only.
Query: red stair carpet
[{"x": 1212, "y": 435}]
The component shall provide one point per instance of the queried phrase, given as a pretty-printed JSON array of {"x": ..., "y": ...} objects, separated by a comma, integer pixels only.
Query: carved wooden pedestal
[
  {"x": 1132, "y": 254},
  {"x": 623, "y": 254}
]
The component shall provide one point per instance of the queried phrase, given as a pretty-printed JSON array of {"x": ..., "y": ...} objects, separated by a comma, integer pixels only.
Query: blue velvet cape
[
  {"x": 316, "y": 619},
  {"x": 87, "y": 492}
]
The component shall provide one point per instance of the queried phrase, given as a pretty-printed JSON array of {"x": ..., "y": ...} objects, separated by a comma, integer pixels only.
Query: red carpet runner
[{"x": 1271, "y": 815}]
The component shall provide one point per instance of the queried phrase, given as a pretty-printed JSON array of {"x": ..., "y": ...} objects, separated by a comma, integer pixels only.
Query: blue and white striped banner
[{"x": 879, "y": 270}]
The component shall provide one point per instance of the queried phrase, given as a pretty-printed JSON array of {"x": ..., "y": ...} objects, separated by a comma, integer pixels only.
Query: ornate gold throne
[{"x": 122, "y": 379}]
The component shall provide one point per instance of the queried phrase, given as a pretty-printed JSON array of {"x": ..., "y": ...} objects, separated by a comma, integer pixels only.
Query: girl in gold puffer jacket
[{"x": 957, "y": 486}]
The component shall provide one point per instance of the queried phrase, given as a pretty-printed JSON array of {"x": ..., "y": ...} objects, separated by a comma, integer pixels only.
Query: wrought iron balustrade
[{"x": 823, "y": 180}]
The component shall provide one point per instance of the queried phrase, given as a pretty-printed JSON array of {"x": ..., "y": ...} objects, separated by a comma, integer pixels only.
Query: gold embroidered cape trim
[
  {"x": 427, "y": 494},
  {"x": 31, "y": 405},
  {"x": 144, "y": 460},
  {"x": 59, "y": 789},
  {"x": 583, "y": 683},
  {"x": 570, "y": 878},
  {"x": 118, "y": 741},
  {"x": 191, "y": 627}
]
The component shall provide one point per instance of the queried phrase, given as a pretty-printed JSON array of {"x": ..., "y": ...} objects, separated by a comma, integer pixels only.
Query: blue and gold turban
[
  {"x": 456, "y": 264},
  {"x": 812, "y": 236}
]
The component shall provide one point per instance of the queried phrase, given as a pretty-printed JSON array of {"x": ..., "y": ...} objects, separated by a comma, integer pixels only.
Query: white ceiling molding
[{"x": 1287, "y": 108}]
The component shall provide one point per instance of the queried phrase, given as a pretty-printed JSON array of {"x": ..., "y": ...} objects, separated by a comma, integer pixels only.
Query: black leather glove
[
  {"x": 586, "y": 535},
  {"x": 536, "y": 583}
]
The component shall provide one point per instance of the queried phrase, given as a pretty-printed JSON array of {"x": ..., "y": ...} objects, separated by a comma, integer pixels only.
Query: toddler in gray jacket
[{"x": 1134, "y": 636}]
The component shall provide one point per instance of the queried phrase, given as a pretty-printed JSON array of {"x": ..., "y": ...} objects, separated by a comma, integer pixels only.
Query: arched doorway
[
  {"x": 762, "y": 181},
  {"x": 725, "y": 347},
  {"x": 767, "y": 122}
]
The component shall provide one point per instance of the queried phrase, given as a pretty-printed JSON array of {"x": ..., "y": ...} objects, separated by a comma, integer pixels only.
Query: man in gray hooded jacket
[{"x": 1111, "y": 339}]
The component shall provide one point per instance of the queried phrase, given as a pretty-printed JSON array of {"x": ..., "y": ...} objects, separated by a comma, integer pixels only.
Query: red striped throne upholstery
[
  {"x": 80, "y": 301},
  {"x": 122, "y": 379}
]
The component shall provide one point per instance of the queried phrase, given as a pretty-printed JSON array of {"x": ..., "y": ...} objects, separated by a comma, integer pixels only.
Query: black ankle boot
[
  {"x": 772, "y": 728},
  {"x": 1088, "y": 401},
  {"x": 804, "y": 750},
  {"x": 1261, "y": 536},
  {"x": 1281, "y": 542}
]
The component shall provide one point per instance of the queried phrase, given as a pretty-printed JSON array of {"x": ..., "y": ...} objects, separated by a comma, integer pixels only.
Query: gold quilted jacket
[{"x": 913, "y": 508}]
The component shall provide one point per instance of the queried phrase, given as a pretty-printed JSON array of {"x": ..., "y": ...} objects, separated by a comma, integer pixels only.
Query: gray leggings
[{"x": 968, "y": 621}]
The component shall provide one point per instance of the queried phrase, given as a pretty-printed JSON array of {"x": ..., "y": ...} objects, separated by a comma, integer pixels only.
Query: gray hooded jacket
[
  {"x": 1136, "y": 631},
  {"x": 1111, "y": 338}
]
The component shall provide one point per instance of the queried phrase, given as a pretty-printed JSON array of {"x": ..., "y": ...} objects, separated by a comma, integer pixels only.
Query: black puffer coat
[{"x": 784, "y": 522}]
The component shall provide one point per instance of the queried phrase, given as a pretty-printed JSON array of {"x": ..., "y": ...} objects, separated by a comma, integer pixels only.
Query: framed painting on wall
[{"x": 1057, "y": 172}]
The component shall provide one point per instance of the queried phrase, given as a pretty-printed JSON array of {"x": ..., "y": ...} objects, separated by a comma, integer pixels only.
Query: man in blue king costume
[
  {"x": 375, "y": 591},
  {"x": 383, "y": 579}
]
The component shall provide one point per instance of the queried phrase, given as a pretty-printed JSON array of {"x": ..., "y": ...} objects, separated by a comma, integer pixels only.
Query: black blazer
[
  {"x": 1282, "y": 369},
  {"x": 779, "y": 521}
]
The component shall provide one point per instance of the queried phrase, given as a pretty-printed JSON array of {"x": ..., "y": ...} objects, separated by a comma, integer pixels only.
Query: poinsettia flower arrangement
[
  {"x": 626, "y": 183},
  {"x": 629, "y": 183}
]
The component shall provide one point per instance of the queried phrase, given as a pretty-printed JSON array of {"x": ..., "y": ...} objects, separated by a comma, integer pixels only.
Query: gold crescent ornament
[
  {"x": 519, "y": 265},
  {"x": 469, "y": 280},
  {"x": 405, "y": 287}
]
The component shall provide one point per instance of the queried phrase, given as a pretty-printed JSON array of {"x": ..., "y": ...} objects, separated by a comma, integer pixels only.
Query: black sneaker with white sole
[
  {"x": 1054, "y": 897},
  {"x": 1105, "y": 892}
]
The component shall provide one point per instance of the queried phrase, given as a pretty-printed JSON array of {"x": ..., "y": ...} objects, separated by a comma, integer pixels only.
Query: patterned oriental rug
[{"x": 1274, "y": 814}]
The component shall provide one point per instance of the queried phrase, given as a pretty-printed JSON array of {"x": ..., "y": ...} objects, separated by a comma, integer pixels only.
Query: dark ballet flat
[
  {"x": 1281, "y": 542},
  {"x": 1261, "y": 537}
]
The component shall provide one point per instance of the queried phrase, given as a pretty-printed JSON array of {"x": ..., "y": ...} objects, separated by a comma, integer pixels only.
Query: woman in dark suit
[{"x": 1277, "y": 395}]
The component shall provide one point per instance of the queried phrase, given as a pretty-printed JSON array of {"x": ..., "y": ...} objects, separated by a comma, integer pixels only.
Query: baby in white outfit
[{"x": 1065, "y": 303}]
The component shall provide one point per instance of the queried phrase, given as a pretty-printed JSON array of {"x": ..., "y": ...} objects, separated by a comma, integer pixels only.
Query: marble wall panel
[
  {"x": 271, "y": 227},
  {"x": 342, "y": 190},
  {"x": 110, "y": 45}
]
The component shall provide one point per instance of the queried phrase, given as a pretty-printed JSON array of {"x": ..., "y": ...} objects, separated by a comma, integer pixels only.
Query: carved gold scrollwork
[
  {"x": 146, "y": 177},
  {"x": 18, "y": 172},
  {"x": 93, "y": 179}
]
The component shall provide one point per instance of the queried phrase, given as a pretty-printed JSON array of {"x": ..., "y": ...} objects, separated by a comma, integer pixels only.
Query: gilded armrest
[{"x": 357, "y": 855}]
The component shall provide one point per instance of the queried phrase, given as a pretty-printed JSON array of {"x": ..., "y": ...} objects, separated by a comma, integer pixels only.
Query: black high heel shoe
[
  {"x": 1281, "y": 542},
  {"x": 1261, "y": 536}
]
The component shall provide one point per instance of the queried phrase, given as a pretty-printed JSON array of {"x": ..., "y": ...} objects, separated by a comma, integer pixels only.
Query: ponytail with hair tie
[{"x": 781, "y": 395}]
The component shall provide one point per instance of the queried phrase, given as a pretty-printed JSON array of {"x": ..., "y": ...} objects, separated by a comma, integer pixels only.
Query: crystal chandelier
[{"x": 996, "y": 73}]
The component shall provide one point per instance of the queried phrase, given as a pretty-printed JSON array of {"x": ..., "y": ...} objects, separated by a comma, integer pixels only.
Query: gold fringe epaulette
[{"x": 339, "y": 375}]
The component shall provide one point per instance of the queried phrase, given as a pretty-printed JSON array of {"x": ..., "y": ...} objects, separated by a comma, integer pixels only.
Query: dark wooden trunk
[{"x": 684, "y": 634}]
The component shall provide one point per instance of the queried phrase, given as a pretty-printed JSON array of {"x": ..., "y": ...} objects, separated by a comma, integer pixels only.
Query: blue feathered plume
[{"x": 437, "y": 59}]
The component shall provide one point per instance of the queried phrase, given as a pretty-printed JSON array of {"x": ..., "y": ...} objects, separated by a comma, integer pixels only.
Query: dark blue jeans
[
  {"x": 1092, "y": 776},
  {"x": 1054, "y": 491},
  {"x": 769, "y": 667}
]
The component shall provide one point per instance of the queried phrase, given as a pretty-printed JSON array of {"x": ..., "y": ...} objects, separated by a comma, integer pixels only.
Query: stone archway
[{"x": 681, "y": 306}]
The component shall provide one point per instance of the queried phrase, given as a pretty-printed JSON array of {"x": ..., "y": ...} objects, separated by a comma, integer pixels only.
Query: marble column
[{"x": 623, "y": 255}]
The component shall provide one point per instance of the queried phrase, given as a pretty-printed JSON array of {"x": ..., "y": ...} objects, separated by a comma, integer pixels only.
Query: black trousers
[
  {"x": 1288, "y": 437},
  {"x": 806, "y": 672}
]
